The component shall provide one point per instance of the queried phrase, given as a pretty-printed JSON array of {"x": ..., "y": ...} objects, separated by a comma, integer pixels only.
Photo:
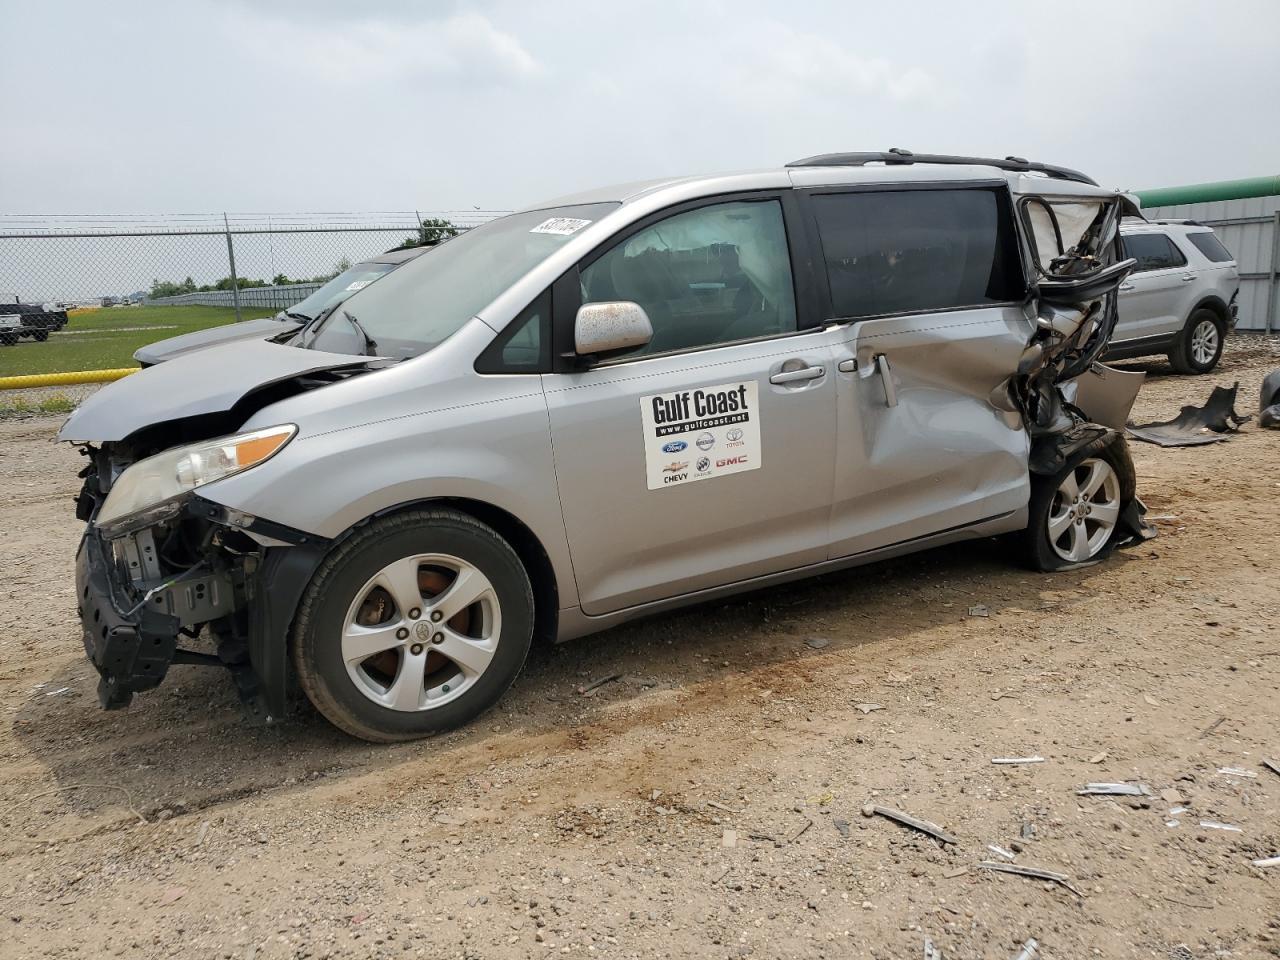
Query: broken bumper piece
[{"x": 130, "y": 645}]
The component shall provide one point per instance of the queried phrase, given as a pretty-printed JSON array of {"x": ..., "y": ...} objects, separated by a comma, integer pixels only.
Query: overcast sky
[{"x": 363, "y": 105}]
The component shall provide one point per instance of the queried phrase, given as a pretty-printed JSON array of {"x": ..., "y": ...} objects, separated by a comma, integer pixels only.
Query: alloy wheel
[
  {"x": 1204, "y": 342},
  {"x": 421, "y": 632},
  {"x": 1084, "y": 511}
]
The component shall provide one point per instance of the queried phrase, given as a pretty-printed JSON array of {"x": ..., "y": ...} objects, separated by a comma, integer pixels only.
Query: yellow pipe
[{"x": 64, "y": 379}]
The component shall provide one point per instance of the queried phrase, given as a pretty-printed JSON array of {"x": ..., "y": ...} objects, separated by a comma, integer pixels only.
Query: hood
[
  {"x": 163, "y": 350},
  {"x": 208, "y": 381}
]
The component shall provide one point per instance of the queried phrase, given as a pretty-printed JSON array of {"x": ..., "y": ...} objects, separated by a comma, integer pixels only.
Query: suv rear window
[
  {"x": 1153, "y": 251},
  {"x": 910, "y": 251},
  {"x": 1210, "y": 246}
]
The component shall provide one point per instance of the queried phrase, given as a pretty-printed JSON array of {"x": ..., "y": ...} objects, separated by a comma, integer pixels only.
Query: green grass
[
  {"x": 106, "y": 339},
  {"x": 58, "y": 403}
]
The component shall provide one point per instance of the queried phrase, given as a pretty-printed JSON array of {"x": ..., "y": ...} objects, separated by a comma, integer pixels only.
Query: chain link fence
[{"x": 252, "y": 262}]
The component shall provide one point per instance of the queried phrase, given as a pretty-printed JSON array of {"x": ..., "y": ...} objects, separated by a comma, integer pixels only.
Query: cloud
[
  {"x": 779, "y": 64},
  {"x": 358, "y": 52}
]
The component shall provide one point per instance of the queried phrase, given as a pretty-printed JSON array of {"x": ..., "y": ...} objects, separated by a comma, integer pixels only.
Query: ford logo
[{"x": 675, "y": 446}]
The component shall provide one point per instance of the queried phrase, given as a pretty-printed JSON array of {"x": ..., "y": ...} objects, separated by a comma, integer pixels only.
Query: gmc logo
[{"x": 732, "y": 461}]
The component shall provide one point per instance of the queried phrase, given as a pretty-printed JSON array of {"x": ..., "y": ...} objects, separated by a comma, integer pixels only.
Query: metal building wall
[{"x": 1250, "y": 229}]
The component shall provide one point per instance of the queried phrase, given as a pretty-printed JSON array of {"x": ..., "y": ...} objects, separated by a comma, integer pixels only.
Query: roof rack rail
[{"x": 899, "y": 157}]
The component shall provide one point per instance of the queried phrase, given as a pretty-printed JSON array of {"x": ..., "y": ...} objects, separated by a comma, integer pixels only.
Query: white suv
[{"x": 1181, "y": 297}]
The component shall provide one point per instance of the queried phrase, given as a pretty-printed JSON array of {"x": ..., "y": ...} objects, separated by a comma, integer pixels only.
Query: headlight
[{"x": 157, "y": 484}]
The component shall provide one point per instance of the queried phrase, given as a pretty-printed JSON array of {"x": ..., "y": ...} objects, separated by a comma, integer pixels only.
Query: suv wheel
[
  {"x": 1199, "y": 345},
  {"x": 1074, "y": 514},
  {"x": 416, "y": 624}
]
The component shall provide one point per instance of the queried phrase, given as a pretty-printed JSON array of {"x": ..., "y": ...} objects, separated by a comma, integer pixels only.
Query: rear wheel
[
  {"x": 41, "y": 336},
  {"x": 1199, "y": 345},
  {"x": 1074, "y": 514},
  {"x": 8, "y": 339},
  {"x": 416, "y": 624}
]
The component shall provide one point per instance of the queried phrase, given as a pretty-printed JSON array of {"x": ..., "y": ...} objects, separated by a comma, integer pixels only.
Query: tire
[
  {"x": 41, "y": 336},
  {"x": 1062, "y": 533},
  {"x": 385, "y": 673},
  {"x": 1199, "y": 345},
  {"x": 8, "y": 339}
]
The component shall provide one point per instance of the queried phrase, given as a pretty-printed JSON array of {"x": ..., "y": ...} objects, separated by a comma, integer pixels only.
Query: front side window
[
  {"x": 1153, "y": 251},
  {"x": 711, "y": 275},
  {"x": 1211, "y": 247},
  {"x": 910, "y": 251}
]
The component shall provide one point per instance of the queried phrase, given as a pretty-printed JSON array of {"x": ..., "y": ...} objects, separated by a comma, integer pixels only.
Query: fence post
[
  {"x": 1273, "y": 269},
  {"x": 231, "y": 256}
]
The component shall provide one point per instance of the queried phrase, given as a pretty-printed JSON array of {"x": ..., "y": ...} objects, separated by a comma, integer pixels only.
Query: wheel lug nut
[
  {"x": 436, "y": 616},
  {"x": 402, "y": 633},
  {"x": 415, "y": 613},
  {"x": 438, "y": 638},
  {"x": 416, "y": 649}
]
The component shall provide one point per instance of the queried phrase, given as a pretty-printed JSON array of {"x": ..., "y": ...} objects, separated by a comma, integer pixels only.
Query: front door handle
[
  {"x": 886, "y": 378},
  {"x": 797, "y": 376},
  {"x": 1188, "y": 278},
  {"x": 1126, "y": 287}
]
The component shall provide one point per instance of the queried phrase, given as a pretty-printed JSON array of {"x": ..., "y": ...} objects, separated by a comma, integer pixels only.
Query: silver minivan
[{"x": 606, "y": 406}]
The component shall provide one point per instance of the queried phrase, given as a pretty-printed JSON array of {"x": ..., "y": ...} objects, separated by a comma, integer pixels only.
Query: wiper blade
[
  {"x": 295, "y": 315},
  {"x": 370, "y": 344}
]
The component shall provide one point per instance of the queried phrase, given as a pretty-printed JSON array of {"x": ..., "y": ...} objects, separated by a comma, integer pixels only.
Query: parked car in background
[
  {"x": 332, "y": 293},
  {"x": 37, "y": 321},
  {"x": 1180, "y": 299},
  {"x": 602, "y": 407}
]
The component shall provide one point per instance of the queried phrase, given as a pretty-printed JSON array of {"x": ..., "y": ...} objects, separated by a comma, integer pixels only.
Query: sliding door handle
[{"x": 797, "y": 376}]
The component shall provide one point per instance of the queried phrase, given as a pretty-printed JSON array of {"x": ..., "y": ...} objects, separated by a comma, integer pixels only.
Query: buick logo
[{"x": 703, "y": 465}]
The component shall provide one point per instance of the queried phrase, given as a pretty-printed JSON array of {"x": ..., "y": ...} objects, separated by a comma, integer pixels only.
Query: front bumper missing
[
  {"x": 130, "y": 645},
  {"x": 133, "y": 614}
]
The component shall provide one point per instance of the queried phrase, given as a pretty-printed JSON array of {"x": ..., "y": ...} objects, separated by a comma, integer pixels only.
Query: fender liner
[{"x": 277, "y": 589}]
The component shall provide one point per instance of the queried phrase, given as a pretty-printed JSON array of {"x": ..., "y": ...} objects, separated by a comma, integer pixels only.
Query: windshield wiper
[
  {"x": 295, "y": 315},
  {"x": 370, "y": 344}
]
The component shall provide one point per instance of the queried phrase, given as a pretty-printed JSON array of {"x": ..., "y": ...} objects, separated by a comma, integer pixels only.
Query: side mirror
[{"x": 601, "y": 329}]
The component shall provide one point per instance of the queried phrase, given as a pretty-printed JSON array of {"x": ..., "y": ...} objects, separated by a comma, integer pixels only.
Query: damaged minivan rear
[{"x": 607, "y": 406}]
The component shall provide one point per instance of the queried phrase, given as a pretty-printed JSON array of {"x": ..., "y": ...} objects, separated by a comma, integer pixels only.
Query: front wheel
[
  {"x": 1074, "y": 514},
  {"x": 1199, "y": 345},
  {"x": 415, "y": 624}
]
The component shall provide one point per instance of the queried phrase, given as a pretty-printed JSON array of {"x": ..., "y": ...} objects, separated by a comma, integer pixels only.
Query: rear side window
[
  {"x": 909, "y": 251},
  {"x": 1210, "y": 246},
  {"x": 1153, "y": 251}
]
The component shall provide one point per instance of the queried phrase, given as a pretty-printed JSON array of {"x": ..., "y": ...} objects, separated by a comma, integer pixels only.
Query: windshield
[
  {"x": 339, "y": 288},
  {"x": 429, "y": 299}
]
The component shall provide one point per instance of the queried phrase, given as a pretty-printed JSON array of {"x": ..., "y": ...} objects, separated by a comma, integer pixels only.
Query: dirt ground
[{"x": 706, "y": 804}]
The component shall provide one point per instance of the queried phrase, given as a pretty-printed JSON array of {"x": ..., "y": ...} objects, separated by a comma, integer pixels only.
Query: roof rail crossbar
[{"x": 899, "y": 157}]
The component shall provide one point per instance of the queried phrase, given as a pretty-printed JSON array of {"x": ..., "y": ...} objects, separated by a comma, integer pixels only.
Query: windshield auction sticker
[
  {"x": 701, "y": 433},
  {"x": 560, "y": 226}
]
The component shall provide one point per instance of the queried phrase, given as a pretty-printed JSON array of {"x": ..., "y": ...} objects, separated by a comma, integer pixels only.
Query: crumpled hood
[
  {"x": 207, "y": 381},
  {"x": 261, "y": 329}
]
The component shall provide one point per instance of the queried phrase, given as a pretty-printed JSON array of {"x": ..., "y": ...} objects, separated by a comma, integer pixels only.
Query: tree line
[{"x": 430, "y": 232}]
